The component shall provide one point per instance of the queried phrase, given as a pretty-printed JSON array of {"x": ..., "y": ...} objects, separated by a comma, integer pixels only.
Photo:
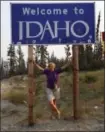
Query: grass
[
  {"x": 89, "y": 91},
  {"x": 91, "y": 94},
  {"x": 15, "y": 96}
]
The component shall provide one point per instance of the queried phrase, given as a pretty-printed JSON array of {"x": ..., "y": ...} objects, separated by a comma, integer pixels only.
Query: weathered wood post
[
  {"x": 30, "y": 85},
  {"x": 75, "y": 82}
]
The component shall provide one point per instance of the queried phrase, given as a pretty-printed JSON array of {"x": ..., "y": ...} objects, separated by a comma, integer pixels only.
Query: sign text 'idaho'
[{"x": 53, "y": 23}]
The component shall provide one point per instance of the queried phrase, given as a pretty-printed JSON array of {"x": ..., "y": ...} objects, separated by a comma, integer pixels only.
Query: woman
[{"x": 52, "y": 89}]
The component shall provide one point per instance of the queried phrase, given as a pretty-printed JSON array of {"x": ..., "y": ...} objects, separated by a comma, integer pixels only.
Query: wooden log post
[
  {"x": 30, "y": 85},
  {"x": 75, "y": 82}
]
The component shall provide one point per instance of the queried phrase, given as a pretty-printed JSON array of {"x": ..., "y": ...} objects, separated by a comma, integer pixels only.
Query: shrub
[
  {"x": 90, "y": 79},
  {"x": 16, "y": 96}
]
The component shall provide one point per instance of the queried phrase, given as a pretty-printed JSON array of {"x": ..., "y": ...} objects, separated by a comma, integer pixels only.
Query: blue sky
[{"x": 5, "y": 29}]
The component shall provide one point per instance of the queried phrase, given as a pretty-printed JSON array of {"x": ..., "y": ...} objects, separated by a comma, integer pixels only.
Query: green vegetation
[
  {"x": 90, "y": 79},
  {"x": 91, "y": 88},
  {"x": 15, "y": 96}
]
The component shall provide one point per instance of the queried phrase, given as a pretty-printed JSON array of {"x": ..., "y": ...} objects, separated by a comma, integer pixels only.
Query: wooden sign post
[
  {"x": 30, "y": 85},
  {"x": 75, "y": 82}
]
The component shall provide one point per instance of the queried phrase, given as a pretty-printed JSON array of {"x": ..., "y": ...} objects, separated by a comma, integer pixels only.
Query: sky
[{"x": 6, "y": 29}]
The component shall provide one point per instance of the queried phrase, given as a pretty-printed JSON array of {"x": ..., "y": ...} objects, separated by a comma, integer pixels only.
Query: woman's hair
[{"x": 51, "y": 64}]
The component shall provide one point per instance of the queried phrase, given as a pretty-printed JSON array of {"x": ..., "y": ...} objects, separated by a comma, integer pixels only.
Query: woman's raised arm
[
  {"x": 38, "y": 66},
  {"x": 67, "y": 65}
]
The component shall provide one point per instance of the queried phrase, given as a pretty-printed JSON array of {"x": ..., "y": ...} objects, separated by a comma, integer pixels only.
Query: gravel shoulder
[{"x": 14, "y": 118}]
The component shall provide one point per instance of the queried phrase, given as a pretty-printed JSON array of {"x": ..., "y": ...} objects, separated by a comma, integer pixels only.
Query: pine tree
[
  {"x": 41, "y": 55},
  {"x": 89, "y": 56},
  {"x": 44, "y": 55},
  {"x": 12, "y": 59},
  {"x": 37, "y": 59},
  {"x": 53, "y": 58},
  {"x": 1, "y": 68},
  {"x": 37, "y": 54},
  {"x": 96, "y": 47},
  {"x": 67, "y": 51},
  {"x": 82, "y": 58},
  {"x": 20, "y": 60}
]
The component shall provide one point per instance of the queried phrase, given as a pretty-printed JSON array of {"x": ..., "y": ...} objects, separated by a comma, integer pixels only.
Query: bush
[
  {"x": 97, "y": 64},
  {"x": 16, "y": 96},
  {"x": 90, "y": 79}
]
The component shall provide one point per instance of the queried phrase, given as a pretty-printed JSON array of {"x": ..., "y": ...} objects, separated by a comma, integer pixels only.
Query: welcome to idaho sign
[{"x": 55, "y": 23}]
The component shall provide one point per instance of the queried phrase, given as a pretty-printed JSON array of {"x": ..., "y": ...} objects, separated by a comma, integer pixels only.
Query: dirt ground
[{"x": 14, "y": 118}]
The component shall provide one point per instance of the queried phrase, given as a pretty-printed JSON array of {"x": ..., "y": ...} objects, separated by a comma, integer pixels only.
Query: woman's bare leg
[{"x": 54, "y": 107}]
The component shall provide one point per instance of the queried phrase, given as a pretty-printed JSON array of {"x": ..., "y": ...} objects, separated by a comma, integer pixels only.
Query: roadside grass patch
[
  {"x": 91, "y": 88},
  {"x": 90, "y": 79},
  {"x": 16, "y": 96}
]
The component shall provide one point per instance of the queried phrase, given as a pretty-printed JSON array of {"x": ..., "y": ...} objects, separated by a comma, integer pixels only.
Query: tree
[
  {"x": 82, "y": 58},
  {"x": 41, "y": 55},
  {"x": 67, "y": 51},
  {"x": 53, "y": 58},
  {"x": 1, "y": 69},
  {"x": 98, "y": 49},
  {"x": 44, "y": 55},
  {"x": 20, "y": 60},
  {"x": 12, "y": 59},
  {"x": 37, "y": 53},
  {"x": 37, "y": 59},
  {"x": 89, "y": 56}
]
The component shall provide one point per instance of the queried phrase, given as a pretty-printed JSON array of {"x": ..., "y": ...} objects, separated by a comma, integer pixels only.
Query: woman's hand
[
  {"x": 66, "y": 65},
  {"x": 69, "y": 63},
  {"x": 38, "y": 66}
]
